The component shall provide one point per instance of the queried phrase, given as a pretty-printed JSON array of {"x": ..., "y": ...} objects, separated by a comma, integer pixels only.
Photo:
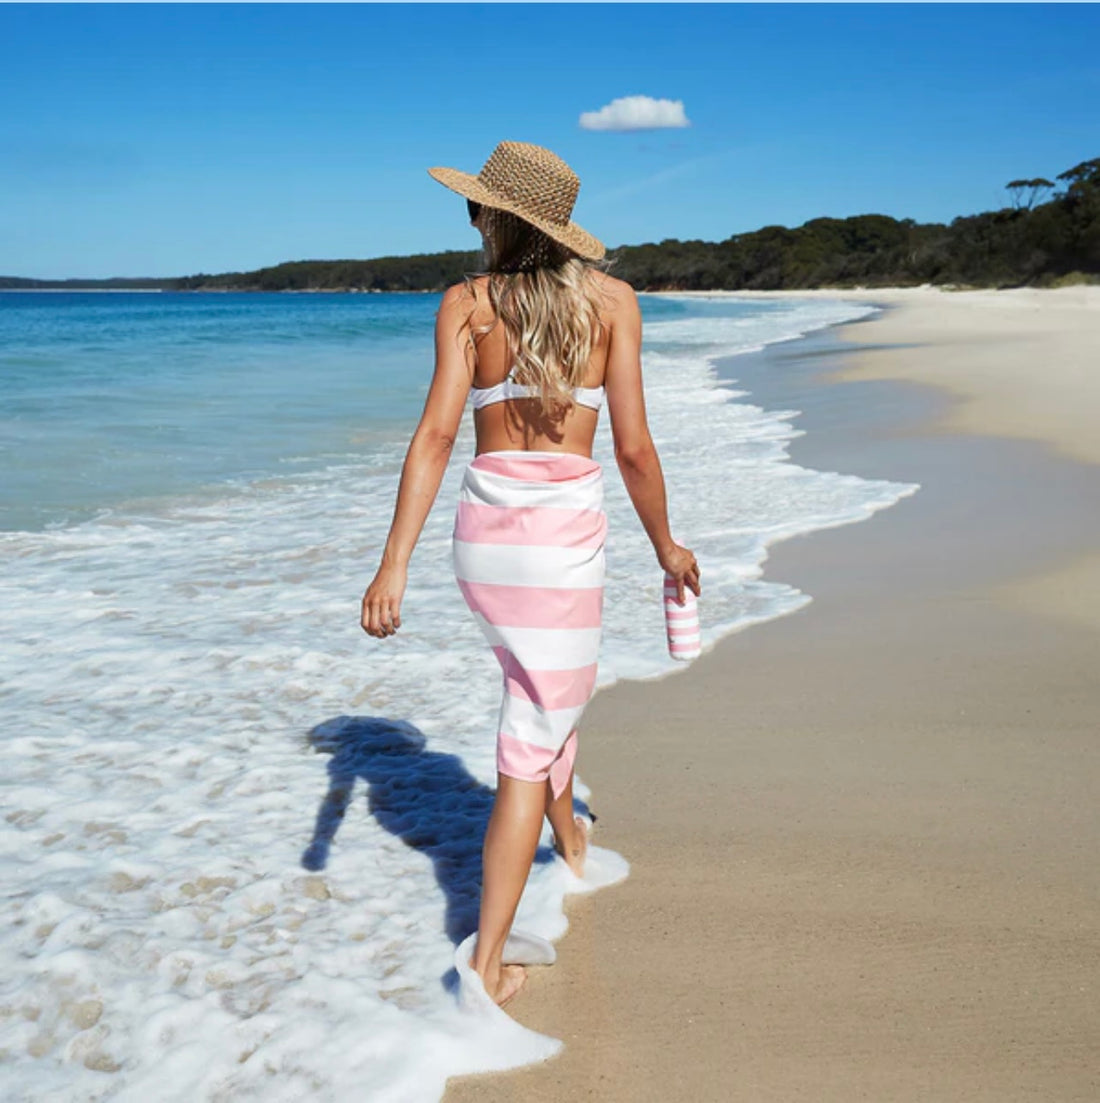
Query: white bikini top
[{"x": 480, "y": 397}]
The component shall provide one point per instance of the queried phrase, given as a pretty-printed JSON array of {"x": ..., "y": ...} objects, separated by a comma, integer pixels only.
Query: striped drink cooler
[{"x": 681, "y": 623}]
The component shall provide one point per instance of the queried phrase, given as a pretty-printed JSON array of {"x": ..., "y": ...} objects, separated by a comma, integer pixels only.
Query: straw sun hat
[{"x": 535, "y": 185}]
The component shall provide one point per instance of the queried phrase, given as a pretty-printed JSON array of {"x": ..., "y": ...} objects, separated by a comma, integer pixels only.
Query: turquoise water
[{"x": 112, "y": 398}]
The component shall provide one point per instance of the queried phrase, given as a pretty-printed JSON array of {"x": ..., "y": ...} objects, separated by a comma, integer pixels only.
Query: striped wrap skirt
[{"x": 529, "y": 559}]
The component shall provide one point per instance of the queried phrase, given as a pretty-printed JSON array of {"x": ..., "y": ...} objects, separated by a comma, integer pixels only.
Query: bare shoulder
[
  {"x": 618, "y": 298},
  {"x": 468, "y": 302},
  {"x": 612, "y": 284},
  {"x": 459, "y": 296}
]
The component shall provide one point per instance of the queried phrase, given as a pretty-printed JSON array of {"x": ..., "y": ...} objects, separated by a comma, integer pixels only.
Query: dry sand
[
  {"x": 864, "y": 836},
  {"x": 1023, "y": 363}
]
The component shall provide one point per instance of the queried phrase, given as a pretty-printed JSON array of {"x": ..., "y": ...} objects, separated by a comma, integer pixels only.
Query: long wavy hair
[{"x": 542, "y": 293}]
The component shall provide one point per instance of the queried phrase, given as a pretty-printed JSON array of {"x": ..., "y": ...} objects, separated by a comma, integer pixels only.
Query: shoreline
[
  {"x": 975, "y": 337},
  {"x": 860, "y": 833}
]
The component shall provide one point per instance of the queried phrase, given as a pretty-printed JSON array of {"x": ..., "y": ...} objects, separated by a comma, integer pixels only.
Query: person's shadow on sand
[{"x": 426, "y": 798}]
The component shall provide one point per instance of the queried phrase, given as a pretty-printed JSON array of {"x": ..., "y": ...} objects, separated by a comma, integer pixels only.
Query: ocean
[{"x": 241, "y": 839}]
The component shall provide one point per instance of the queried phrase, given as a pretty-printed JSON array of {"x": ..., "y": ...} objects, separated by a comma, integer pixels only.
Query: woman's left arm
[{"x": 425, "y": 462}]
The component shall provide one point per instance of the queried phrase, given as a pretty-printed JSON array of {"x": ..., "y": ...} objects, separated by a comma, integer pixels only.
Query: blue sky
[{"x": 172, "y": 139}]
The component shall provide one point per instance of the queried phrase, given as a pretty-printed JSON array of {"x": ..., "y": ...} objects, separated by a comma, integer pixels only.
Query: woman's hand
[
  {"x": 381, "y": 614},
  {"x": 680, "y": 563}
]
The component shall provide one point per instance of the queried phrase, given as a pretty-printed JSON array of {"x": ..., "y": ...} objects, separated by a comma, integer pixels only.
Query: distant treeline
[
  {"x": 424, "y": 272},
  {"x": 1030, "y": 243},
  {"x": 1022, "y": 244},
  {"x": 116, "y": 283}
]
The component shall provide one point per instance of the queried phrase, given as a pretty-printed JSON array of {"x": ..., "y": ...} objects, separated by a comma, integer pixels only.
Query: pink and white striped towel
[{"x": 529, "y": 558}]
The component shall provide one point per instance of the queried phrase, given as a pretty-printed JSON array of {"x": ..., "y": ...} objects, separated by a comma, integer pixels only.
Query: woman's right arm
[
  {"x": 425, "y": 463},
  {"x": 635, "y": 451}
]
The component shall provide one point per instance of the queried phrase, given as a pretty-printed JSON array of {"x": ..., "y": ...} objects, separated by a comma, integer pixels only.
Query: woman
[{"x": 536, "y": 342}]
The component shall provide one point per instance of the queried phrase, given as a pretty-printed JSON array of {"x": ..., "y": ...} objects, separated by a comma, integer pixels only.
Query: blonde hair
[{"x": 542, "y": 294}]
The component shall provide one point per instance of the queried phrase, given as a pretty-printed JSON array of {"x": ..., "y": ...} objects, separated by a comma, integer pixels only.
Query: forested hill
[
  {"x": 1022, "y": 244},
  {"x": 423, "y": 272},
  {"x": 1037, "y": 243}
]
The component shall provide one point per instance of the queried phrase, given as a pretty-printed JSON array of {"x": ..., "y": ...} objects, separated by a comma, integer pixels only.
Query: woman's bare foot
[
  {"x": 510, "y": 980},
  {"x": 577, "y": 847}
]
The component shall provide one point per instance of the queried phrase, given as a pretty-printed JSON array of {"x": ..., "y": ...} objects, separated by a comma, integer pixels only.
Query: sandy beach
[{"x": 863, "y": 836}]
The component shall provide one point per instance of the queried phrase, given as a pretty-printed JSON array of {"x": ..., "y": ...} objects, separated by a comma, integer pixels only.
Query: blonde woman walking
[{"x": 536, "y": 344}]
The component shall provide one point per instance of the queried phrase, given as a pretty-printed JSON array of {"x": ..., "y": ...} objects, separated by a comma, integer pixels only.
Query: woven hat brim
[{"x": 570, "y": 235}]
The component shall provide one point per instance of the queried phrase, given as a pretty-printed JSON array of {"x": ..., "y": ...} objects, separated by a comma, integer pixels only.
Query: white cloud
[{"x": 636, "y": 113}]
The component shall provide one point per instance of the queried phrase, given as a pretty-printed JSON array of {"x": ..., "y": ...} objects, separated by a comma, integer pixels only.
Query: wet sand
[{"x": 863, "y": 836}]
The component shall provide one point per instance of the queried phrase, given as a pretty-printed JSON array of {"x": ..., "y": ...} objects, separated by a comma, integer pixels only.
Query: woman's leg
[
  {"x": 570, "y": 833},
  {"x": 510, "y": 843}
]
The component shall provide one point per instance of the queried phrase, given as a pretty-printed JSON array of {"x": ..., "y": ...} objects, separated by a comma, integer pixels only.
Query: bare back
[{"x": 520, "y": 423}]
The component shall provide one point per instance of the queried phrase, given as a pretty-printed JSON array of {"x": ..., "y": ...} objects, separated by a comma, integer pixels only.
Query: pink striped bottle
[{"x": 681, "y": 622}]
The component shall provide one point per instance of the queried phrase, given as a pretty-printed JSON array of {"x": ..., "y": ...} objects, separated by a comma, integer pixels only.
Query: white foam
[{"x": 241, "y": 839}]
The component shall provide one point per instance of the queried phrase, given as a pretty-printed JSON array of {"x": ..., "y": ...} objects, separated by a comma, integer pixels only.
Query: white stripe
[
  {"x": 545, "y": 648},
  {"x": 487, "y": 488},
  {"x": 544, "y": 727},
  {"x": 684, "y": 641},
  {"x": 529, "y": 565}
]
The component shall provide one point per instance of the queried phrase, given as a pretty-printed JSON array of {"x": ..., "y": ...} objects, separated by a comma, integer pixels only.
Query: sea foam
[{"x": 242, "y": 839}]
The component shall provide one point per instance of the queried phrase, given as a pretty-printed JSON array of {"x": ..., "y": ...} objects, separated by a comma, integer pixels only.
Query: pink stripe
[
  {"x": 679, "y": 613},
  {"x": 549, "y": 689},
  {"x": 684, "y": 648},
  {"x": 547, "y": 526},
  {"x": 560, "y": 467},
  {"x": 534, "y": 606},
  {"x": 529, "y": 762},
  {"x": 681, "y": 633}
]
